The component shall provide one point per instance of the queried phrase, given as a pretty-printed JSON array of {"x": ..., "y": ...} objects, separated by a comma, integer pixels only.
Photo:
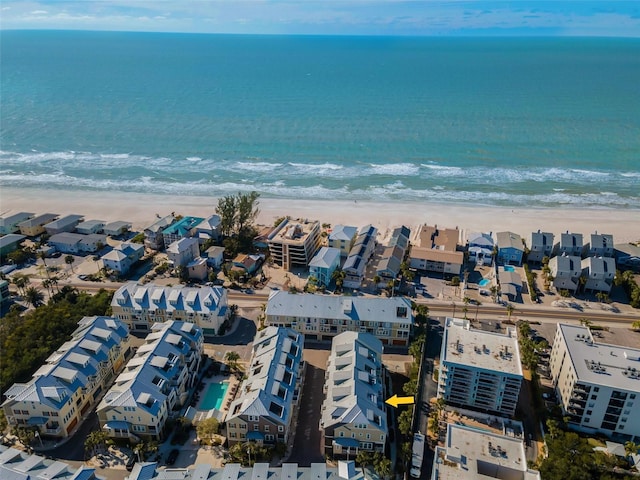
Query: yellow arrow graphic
[{"x": 396, "y": 400}]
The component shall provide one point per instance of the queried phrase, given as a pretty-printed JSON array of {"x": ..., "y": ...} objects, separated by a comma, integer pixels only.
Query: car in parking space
[
  {"x": 131, "y": 462},
  {"x": 173, "y": 456}
]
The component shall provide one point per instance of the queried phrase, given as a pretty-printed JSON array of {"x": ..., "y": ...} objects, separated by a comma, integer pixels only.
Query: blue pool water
[
  {"x": 484, "y": 282},
  {"x": 214, "y": 396},
  {"x": 509, "y": 268}
]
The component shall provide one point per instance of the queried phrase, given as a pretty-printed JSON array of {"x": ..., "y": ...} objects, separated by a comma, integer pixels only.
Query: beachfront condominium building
[
  {"x": 322, "y": 317},
  {"x": 353, "y": 413},
  {"x": 480, "y": 248},
  {"x": 566, "y": 271},
  {"x": 471, "y": 453},
  {"x": 294, "y": 243},
  {"x": 182, "y": 251},
  {"x": 153, "y": 238},
  {"x": 140, "y": 306},
  {"x": 265, "y": 403},
  {"x": 570, "y": 244},
  {"x": 598, "y": 385},
  {"x": 510, "y": 248},
  {"x": 123, "y": 257},
  {"x": 598, "y": 273},
  {"x": 342, "y": 237},
  {"x": 478, "y": 369},
  {"x": 541, "y": 246},
  {"x": 600, "y": 245},
  {"x": 64, "y": 390},
  {"x": 323, "y": 264},
  {"x": 361, "y": 252},
  {"x": 154, "y": 384},
  {"x": 9, "y": 223},
  {"x": 34, "y": 226}
]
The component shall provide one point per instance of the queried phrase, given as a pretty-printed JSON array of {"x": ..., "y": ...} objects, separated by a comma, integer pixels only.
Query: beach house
[
  {"x": 435, "y": 249},
  {"x": 510, "y": 248},
  {"x": 214, "y": 256},
  {"x": 293, "y": 243},
  {"x": 10, "y": 243},
  {"x": 393, "y": 255},
  {"x": 64, "y": 224},
  {"x": 67, "y": 386},
  {"x": 90, "y": 226},
  {"x": 360, "y": 253},
  {"x": 10, "y": 223},
  {"x": 342, "y": 237},
  {"x": 140, "y": 306},
  {"x": 510, "y": 284},
  {"x": 566, "y": 271},
  {"x": 182, "y": 251},
  {"x": 154, "y": 384},
  {"x": 34, "y": 226},
  {"x": 122, "y": 257},
  {"x": 570, "y": 244},
  {"x": 322, "y": 317},
  {"x": 600, "y": 245},
  {"x": 354, "y": 416},
  {"x": 323, "y": 264},
  {"x": 541, "y": 246},
  {"x": 197, "y": 269},
  {"x": 598, "y": 273},
  {"x": 183, "y": 228},
  {"x": 66, "y": 242},
  {"x": 207, "y": 229},
  {"x": 264, "y": 407},
  {"x": 114, "y": 229},
  {"x": 627, "y": 256},
  {"x": 479, "y": 370},
  {"x": 480, "y": 248},
  {"x": 153, "y": 238}
]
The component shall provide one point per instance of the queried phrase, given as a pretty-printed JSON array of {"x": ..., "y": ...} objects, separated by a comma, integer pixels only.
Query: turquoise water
[
  {"x": 484, "y": 282},
  {"x": 214, "y": 396},
  {"x": 519, "y": 121},
  {"x": 509, "y": 268}
]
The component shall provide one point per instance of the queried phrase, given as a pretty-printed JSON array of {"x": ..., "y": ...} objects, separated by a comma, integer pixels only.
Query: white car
[{"x": 415, "y": 472}]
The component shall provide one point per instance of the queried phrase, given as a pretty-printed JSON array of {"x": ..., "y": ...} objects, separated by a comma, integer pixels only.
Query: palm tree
[
  {"x": 43, "y": 256},
  {"x": 232, "y": 360},
  {"x": 54, "y": 283},
  {"x": 510, "y": 309},
  {"x": 69, "y": 259},
  {"x": 338, "y": 276},
  {"x": 631, "y": 448},
  {"x": 33, "y": 296},
  {"x": 21, "y": 281}
]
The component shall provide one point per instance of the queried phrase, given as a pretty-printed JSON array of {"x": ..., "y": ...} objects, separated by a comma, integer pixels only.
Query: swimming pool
[
  {"x": 509, "y": 268},
  {"x": 484, "y": 282},
  {"x": 214, "y": 396}
]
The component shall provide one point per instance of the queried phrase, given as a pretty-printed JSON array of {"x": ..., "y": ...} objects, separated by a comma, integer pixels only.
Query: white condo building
[
  {"x": 140, "y": 306},
  {"x": 598, "y": 385},
  {"x": 478, "y": 369}
]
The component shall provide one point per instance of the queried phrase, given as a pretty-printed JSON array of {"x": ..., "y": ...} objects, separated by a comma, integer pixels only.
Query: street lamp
[{"x": 37, "y": 434}]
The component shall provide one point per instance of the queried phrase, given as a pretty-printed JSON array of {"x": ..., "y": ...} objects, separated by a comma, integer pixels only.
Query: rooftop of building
[
  {"x": 65, "y": 221},
  {"x": 474, "y": 453},
  {"x": 601, "y": 364},
  {"x": 157, "y": 297},
  {"x": 509, "y": 240},
  {"x": 183, "y": 226},
  {"x": 18, "y": 465},
  {"x": 432, "y": 237},
  {"x": 293, "y": 232},
  {"x": 39, "y": 220},
  {"x": 15, "y": 217},
  {"x": 325, "y": 257},
  {"x": 481, "y": 349},
  {"x": 343, "y": 233}
]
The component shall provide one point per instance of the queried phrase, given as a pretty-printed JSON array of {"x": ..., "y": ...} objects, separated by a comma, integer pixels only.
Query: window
[
  {"x": 280, "y": 428},
  {"x": 596, "y": 389},
  {"x": 589, "y": 412},
  {"x": 593, "y": 397},
  {"x": 253, "y": 418},
  {"x": 632, "y": 396},
  {"x": 342, "y": 434},
  {"x": 256, "y": 427},
  {"x": 586, "y": 420},
  {"x": 266, "y": 428}
]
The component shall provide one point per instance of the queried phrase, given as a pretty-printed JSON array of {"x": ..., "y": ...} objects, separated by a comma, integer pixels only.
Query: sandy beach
[{"x": 141, "y": 210}]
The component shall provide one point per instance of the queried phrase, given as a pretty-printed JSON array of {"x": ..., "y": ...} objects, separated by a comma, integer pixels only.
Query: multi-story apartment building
[
  {"x": 19, "y": 465},
  {"x": 478, "y": 369},
  {"x": 471, "y": 453},
  {"x": 62, "y": 391},
  {"x": 541, "y": 246},
  {"x": 436, "y": 250},
  {"x": 293, "y": 243},
  {"x": 598, "y": 385},
  {"x": 140, "y": 306},
  {"x": 322, "y": 317},
  {"x": 154, "y": 382},
  {"x": 600, "y": 245},
  {"x": 153, "y": 237},
  {"x": 265, "y": 403},
  {"x": 360, "y": 253},
  {"x": 353, "y": 412}
]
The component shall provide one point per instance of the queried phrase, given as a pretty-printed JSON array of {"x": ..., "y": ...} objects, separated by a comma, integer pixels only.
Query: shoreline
[{"x": 140, "y": 209}]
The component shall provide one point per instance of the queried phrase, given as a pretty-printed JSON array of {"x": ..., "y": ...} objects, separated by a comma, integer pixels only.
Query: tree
[
  {"x": 382, "y": 465},
  {"x": 570, "y": 457},
  {"x": 411, "y": 387},
  {"x": 405, "y": 420},
  {"x": 94, "y": 441},
  {"x": 338, "y": 276},
  {"x": 3, "y": 422},
  {"x": 585, "y": 322},
  {"x": 25, "y": 435},
  {"x": 21, "y": 281},
  {"x": 33, "y": 296},
  {"x": 232, "y": 360},
  {"x": 630, "y": 448},
  {"x": 247, "y": 211},
  {"x": 43, "y": 256},
  {"x": 364, "y": 459},
  {"x": 226, "y": 209},
  {"x": 208, "y": 428},
  {"x": 510, "y": 309},
  {"x": 69, "y": 260},
  {"x": 636, "y": 325}
]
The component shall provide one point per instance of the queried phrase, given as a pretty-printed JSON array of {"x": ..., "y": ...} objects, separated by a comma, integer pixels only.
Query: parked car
[
  {"x": 173, "y": 456},
  {"x": 131, "y": 462}
]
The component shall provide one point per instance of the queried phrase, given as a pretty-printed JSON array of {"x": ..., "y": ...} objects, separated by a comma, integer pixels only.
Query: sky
[{"x": 331, "y": 17}]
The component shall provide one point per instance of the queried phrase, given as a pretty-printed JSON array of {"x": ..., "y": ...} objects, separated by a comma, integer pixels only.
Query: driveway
[{"x": 307, "y": 446}]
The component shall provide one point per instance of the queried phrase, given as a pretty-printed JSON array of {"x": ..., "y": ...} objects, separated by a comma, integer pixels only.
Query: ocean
[{"x": 539, "y": 122}]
